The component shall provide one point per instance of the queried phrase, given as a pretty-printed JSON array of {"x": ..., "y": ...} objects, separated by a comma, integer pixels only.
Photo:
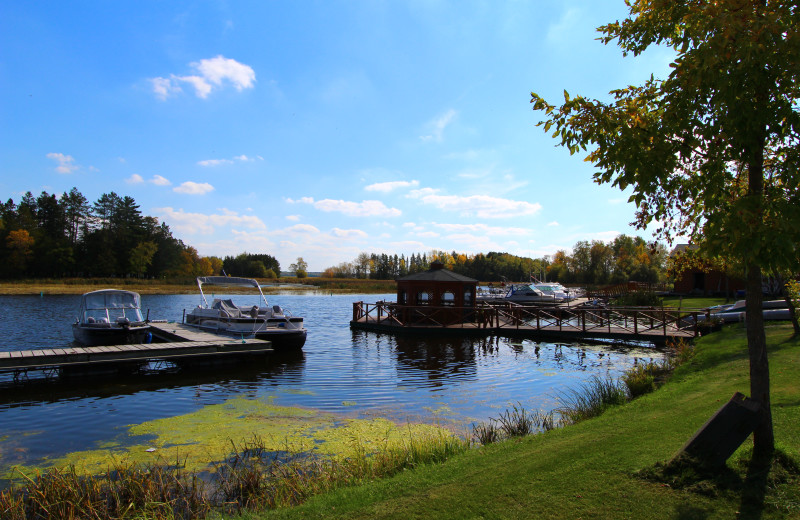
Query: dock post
[{"x": 636, "y": 322}]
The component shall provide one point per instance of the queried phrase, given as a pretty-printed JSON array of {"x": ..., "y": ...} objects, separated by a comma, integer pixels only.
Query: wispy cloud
[
  {"x": 481, "y": 206},
  {"x": 438, "y": 125},
  {"x": 158, "y": 180},
  {"x": 386, "y": 187},
  {"x": 206, "y": 223},
  {"x": 66, "y": 163},
  {"x": 193, "y": 188},
  {"x": 209, "y": 74},
  {"x": 238, "y": 158},
  {"x": 480, "y": 228},
  {"x": 367, "y": 208},
  {"x": 565, "y": 28},
  {"x": 348, "y": 233},
  {"x": 134, "y": 179}
]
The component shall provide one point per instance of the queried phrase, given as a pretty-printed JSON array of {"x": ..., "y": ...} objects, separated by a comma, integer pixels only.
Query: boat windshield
[{"x": 111, "y": 307}]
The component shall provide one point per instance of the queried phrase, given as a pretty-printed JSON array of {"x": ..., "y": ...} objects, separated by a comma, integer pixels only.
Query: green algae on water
[{"x": 197, "y": 439}]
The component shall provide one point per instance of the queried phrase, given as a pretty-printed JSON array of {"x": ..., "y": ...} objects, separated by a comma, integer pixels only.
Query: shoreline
[{"x": 78, "y": 287}]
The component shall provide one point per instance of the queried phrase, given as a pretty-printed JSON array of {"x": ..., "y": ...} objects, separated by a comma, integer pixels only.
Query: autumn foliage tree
[{"x": 713, "y": 150}]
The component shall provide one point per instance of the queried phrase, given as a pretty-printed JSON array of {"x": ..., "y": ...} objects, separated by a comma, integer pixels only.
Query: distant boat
[
  {"x": 110, "y": 317},
  {"x": 772, "y": 309},
  {"x": 533, "y": 293},
  {"x": 223, "y": 316}
]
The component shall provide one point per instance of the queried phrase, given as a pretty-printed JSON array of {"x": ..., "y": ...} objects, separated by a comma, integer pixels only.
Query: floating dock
[{"x": 175, "y": 342}]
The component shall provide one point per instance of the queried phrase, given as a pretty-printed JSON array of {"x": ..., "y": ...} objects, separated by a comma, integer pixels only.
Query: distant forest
[
  {"x": 67, "y": 236},
  {"x": 591, "y": 263},
  {"x": 52, "y": 237}
]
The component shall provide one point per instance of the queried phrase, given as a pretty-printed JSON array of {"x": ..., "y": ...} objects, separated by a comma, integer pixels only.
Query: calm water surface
[{"x": 358, "y": 374}]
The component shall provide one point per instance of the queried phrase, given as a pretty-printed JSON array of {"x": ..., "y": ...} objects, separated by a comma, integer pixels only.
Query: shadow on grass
[{"x": 754, "y": 483}]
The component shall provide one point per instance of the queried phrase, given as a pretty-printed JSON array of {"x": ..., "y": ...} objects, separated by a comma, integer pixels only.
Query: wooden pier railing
[{"x": 635, "y": 322}]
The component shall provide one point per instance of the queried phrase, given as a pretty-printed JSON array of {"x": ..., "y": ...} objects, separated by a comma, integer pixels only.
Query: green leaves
[{"x": 714, "y": 149}]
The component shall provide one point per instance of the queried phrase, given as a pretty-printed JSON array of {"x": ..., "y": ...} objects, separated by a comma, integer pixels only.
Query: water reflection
[{"x": 455, "y": 380}]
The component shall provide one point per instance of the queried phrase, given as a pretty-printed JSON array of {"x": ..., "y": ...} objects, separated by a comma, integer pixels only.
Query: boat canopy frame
[{"x": 228, "y": 281}]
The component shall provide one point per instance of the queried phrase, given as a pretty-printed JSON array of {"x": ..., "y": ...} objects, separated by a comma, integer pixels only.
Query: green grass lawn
[
  {"x": 694, "y": 302},
  {"x": 589, "y": 470}
]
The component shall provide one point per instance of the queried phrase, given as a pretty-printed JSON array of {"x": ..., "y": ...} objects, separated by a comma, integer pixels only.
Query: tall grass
[
  {"x": 252, "y": 477},
  {"x": 516, "y": 422},
  {"x": 590, "y": 399}
]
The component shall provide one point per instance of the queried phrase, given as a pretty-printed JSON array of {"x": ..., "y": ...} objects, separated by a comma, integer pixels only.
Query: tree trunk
[{"x": 763, "y": 436}]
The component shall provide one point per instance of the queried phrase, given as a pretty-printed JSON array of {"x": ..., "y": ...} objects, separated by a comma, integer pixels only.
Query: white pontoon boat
[{"x": 260, "y": 320}]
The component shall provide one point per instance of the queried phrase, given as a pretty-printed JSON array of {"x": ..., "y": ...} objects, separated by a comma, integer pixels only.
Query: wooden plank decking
[{"x": 185, "y": 343}]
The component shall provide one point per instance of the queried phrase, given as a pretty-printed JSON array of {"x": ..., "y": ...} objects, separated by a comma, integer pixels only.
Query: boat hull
[{"x": 101, "y": 336}]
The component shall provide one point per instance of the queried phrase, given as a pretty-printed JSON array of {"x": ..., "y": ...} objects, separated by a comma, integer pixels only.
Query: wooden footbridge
[
  {"x": 174, "y": 342},
  {"x": 654, "y": 325}
]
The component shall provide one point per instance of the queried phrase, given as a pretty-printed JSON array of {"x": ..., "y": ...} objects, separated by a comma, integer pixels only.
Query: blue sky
[{"x": 316, "y": 129}]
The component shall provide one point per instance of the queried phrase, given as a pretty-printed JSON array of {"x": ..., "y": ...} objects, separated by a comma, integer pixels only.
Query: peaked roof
[{"x": 437, "y": 273}]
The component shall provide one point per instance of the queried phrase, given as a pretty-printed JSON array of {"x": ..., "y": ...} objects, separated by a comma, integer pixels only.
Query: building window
[
  {"x": 423, "y": 298},
  {"x": 448, "y": 298},
  {"x": 401, "y": 297},
  {"x": 468, "y": 297}
]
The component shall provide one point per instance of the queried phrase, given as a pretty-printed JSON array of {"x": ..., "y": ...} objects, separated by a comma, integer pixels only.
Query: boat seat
[{"x": 277, "y": 311}]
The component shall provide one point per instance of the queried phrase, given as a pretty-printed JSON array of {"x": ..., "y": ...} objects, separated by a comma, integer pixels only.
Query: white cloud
[
  {"x": 427, "y": 234},
  {"x": 348, "y": 233},
  {"x": 193, "y": 188},
  {"x": 481, "y": 206},
  {"x": 301, "y": 200},
  {"x": 438, "y": 125},
  {"x": 65, "y": 162},
  {"x": 220, "y": 69},
  {"x": 134, "y": 179},
  {"x": 552, "y": 224},
  {"x": 214, "y": 162},
  {"x": 238, "y": 158},
  {"x": 206, "y": 224},
  {"x": 158, "y": 180},
  {"x": 386, "y": 187},
  {"x": 210, "y": 74},
  {"x": 367, "y": 208},
  {"x": 302, "y": 228},
  {"x": 293, "y": 218}
]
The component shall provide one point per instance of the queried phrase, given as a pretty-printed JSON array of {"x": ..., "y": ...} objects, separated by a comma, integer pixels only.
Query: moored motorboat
[
  {"x": 540, "y": 293},
  {"x": 223, "y": 316},
  {"x": 110, "y": 317}
]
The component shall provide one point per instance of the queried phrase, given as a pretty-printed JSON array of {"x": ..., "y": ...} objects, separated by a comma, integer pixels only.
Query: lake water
[{"x": 354, "y": 373}]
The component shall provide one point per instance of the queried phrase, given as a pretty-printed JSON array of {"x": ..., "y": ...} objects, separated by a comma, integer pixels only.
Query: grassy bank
[
  {"x": 589, "y": 470},
  {"x": 693, "y": 302},
  {"x": 189, "y": 286}
]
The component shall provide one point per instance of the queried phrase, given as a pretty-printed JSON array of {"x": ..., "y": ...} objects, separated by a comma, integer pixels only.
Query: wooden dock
[
  {"x": 175, "y": 342},
  {"x": 656, "y": 326}
]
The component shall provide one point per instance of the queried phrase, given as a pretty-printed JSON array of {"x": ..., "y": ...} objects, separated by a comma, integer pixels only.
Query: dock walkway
[
  {"x": 178, "y": 342},
  {"x": 547, "y": 323}
]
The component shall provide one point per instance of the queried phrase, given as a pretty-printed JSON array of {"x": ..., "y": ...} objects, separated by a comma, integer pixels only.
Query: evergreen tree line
[
  {"x": 55, "y": 237},
  {"x": 591, "y": 263}
]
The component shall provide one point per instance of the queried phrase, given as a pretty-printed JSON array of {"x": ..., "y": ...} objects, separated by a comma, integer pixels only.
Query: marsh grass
[
  {"x": 252, "y": 477},
  {"x": 515, "y": 422},
  {"x": 590, "y": 399}
]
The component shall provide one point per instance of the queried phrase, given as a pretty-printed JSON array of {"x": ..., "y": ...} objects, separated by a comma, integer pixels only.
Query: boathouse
[{"x": 438, "y": 289}]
